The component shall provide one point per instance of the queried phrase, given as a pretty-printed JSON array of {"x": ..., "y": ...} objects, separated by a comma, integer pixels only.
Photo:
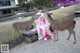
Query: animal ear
[{"x": 50, "y": 13}]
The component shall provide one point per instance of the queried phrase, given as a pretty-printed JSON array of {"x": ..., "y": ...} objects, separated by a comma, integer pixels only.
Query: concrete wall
[
  {"x": 13, "y": 3},
  {"x": 0, "y": 13}
]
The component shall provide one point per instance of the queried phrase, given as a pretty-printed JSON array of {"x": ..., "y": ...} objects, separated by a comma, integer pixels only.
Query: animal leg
[
  {"x": 14, "y": 31},
  {"x": 57, "y": 36},
  {"x": 69, "y": 35},
  {"x": 51, "y": 29},
  {"x": 54, "y": 36},
  {"x": 73, "y": 32},
  {"x": 18, "y": 32}
]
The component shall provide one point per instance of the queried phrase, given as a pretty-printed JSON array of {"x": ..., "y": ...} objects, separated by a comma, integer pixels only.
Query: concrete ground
[{"x": 61, "y": 46}]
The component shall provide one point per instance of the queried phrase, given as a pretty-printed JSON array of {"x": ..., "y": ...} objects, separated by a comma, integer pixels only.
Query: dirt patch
[{"x": 15, "y": 42}]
